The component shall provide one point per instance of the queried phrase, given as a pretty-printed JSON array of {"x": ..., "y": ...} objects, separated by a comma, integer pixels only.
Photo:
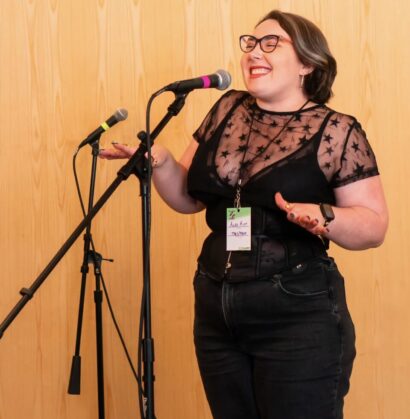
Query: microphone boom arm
[{"x": 133, "y": 165}]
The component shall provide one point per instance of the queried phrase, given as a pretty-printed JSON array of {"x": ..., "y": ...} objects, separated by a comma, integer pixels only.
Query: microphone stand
[
  {"x": 90, "y": 256},
  {"x": 136, "y": 165},
  {"x": 141, "y": 173}
]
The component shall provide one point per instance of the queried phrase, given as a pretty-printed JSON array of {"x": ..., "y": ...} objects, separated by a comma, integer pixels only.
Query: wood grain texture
[{"x": 66, "y": 66}]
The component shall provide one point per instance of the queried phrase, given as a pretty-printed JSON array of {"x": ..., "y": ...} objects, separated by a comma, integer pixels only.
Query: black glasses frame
[{"x": 243, "y": 41}]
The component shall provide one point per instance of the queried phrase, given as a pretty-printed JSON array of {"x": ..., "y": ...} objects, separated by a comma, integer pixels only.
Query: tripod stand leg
[{"x": 74, "y": 386}]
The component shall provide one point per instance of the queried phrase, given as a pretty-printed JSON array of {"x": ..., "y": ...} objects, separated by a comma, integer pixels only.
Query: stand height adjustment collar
[{"x": 27, "y": 292}]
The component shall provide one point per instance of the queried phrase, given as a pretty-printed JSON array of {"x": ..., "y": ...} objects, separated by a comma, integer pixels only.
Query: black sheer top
[{"x": 304, "y": 155}]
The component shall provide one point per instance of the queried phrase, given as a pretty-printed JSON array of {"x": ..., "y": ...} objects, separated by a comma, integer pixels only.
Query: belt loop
[
  {"x": 286, "y": 249},
  {"x": 258, "y": 257}
]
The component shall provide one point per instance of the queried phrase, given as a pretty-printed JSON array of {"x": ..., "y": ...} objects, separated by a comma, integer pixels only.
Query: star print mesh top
[{"x": 304, "y": 155}]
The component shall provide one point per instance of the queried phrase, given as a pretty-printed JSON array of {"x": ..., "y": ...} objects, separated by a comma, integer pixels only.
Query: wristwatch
[{"x": 327, "y": 212}]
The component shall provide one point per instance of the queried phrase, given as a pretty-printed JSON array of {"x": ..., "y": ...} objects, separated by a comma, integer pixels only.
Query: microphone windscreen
[
  {"x": 224, "y": 79},
  {"x": 121, "y": 114}
]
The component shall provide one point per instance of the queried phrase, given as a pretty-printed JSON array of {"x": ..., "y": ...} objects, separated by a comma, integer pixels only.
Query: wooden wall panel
[{"x": 66, "y": 66}]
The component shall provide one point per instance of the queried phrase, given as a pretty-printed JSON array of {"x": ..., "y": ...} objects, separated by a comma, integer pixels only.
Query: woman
[{"x": 273, "y": 335}]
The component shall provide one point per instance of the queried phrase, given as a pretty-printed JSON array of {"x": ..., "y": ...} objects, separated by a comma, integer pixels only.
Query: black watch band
[{"x": 327, "y": 212}]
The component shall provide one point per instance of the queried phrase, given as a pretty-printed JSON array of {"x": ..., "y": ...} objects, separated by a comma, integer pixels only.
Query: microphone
[
  {"x": 221, "y": 79},
  {"x": 119, "y": 115}
]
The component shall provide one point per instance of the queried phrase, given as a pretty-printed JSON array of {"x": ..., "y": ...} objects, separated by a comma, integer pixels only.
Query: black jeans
[{"x": 281, "y": 348}]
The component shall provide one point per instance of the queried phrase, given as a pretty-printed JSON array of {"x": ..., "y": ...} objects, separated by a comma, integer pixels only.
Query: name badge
[{"x": 238, "y": 229}]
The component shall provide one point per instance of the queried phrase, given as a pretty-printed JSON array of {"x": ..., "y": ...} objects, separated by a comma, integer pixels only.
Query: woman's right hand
[
  {"x": 120, "y": 151},
  {"x": 171, "y": 180},
  {"x": 159, "y": 154}
]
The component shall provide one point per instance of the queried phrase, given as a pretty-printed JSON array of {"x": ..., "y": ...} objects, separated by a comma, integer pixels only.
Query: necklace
[
  {"x": 271, "y": 141},
  {"x": 237, "y": 198}
]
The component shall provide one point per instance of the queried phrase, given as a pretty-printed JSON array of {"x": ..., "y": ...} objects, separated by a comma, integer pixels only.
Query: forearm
[
  {"x": 357, "y": 228},
  {"x": 170, "y": 180},
  {"x": 169, "y": 176},
  {"x": 360, "y": 215}
]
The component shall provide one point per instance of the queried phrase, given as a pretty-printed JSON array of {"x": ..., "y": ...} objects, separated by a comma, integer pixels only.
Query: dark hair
[{"x": 312, "y": 49}]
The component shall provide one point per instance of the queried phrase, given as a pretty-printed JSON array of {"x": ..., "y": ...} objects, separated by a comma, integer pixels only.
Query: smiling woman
[
  {"x": 274, "y": 77},
  {"x": 307, "y": 53},
  {"x": 273, "y": 334}
]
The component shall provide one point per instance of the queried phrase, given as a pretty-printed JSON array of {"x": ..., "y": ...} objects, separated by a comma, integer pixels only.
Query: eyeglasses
[{"x": 268, "y": 43}]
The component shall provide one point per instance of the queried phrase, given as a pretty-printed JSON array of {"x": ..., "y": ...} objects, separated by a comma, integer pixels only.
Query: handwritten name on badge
[{"x": 238, "y": 229}]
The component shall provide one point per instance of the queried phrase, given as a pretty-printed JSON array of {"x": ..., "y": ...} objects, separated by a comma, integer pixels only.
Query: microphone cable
[{"x": 123, "y": 344}]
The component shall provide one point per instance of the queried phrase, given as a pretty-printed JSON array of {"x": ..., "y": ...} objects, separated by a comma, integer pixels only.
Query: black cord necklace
[
  {"x": 237, "y": 198},
  {"x": 271, "y": 141}
]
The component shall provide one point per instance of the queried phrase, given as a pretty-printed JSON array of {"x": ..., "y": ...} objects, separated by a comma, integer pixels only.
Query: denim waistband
[{"x": 269, "y": 256}]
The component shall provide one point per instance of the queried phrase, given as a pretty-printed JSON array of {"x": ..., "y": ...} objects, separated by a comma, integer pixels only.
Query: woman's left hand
[{"x": 307, "y": 216}]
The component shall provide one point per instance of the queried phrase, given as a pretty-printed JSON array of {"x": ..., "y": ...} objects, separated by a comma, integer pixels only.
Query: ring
[{"x": 287, "y": 206}]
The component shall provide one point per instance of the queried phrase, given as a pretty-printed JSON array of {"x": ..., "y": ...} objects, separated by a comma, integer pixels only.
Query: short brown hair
[{"x": 312, "y": 49}]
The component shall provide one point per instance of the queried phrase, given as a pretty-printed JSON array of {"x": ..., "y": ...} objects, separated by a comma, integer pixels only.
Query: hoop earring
[{"x": 302, "y": 80}]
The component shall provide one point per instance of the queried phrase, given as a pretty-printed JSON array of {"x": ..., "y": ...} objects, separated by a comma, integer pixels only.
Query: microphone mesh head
[
  {"x": 121, "y": 114},
  {"x": 224, "y": 79}
]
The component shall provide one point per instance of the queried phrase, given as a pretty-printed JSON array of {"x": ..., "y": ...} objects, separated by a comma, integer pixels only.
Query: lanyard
[{"x": 237, "y": 199}]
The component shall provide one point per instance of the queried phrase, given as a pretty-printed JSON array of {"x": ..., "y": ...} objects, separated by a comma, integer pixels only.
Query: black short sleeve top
[{"x": 304, "y": 155}]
